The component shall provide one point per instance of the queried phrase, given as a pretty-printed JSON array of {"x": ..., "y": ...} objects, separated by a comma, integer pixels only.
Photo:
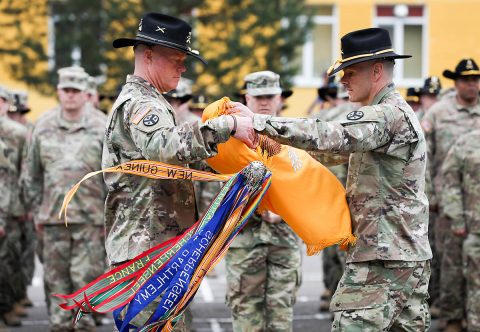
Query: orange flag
[{"x": 303, "y": 192}]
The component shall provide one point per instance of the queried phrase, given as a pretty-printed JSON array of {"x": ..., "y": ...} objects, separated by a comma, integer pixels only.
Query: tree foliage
[
  {"x": 239, "y": 37},
  {"x": 235, "y": 36}
]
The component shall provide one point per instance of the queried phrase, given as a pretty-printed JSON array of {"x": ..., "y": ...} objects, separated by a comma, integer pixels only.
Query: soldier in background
[
  {"x": 428, "y": 97},
  {"x": 197, "y": 104},
  {"x": 17, "y": 113},
  {"x": 20, "y": 108},
  {"x": 460, "y": 202},
  {"x": 429, "y": 93},
  {"x": 12, "y": 215},
  {"x": 92, "y": 92},
  {"x": 453, "y": 116},
  {"x": 413, "y": 99},
  {"x": 264, "y": 261},
  {"x": 66, "y": 144}
]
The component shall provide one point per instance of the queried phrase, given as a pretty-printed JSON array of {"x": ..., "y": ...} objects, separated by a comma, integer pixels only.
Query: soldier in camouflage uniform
[
  {"x": 12, "y": 213},
  {"x": 264, "y": 261},
  {"x": 66, "y": 144},
  {"x": 140, "y": 212},
  {"x": 384, "y": 285},
  {"x": 429, "y": 95},
  {"x": 460, "y": 197},
  {"x": 451, "y": 117},
  {"x": 17, "y": 113}
]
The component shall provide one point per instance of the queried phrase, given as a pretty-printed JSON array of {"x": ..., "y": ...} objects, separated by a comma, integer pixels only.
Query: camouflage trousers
[
  {"x": 452, "y": 281},
  {"x": 434, "y": 284},
  {"x": 471, "y": 261},
  {"x": 28, "y": 242},
  {"x": 72, "y": 257},
  {"x": 11, "y": 278},
  {"x": 382, "y": 296},
  {"x": 261, "y": 287},
  {"x": 333, "y": 262}
]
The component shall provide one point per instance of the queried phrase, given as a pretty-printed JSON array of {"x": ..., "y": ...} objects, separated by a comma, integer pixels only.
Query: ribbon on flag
[{"x": 170, "y": 273}]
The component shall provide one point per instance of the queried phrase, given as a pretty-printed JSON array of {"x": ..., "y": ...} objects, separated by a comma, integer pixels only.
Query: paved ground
[{"x": 209, "y": 310}]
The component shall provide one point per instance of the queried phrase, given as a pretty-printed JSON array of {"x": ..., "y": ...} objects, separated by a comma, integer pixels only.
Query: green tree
[
  {"x": 247, "y": 36},
  {"x": 22, "y": 41}
]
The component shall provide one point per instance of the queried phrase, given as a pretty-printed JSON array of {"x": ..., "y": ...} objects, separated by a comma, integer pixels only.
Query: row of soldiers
[{"x": 450, "y": 120}]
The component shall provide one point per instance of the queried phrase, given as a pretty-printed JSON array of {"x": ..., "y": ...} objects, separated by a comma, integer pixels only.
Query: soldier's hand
[
  {"x": 244, "y": 130},
  {"x": 460, "y": 232},
  {"x": 2, "y": 232},
  {"x": 240, "y": 109}
]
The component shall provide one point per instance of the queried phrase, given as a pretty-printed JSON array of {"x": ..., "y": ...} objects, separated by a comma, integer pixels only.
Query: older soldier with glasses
[{"x": 384, "y": 285}]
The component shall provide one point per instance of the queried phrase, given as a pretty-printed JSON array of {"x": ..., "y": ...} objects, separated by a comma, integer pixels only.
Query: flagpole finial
[{"x": 254, "y": 173}]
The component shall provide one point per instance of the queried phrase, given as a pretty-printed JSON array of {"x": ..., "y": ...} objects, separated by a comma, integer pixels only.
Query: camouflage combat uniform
[
  {"x": 445, "y": 122},
  {"x": 12, "y": 281},
  {"x": 460, "y": 201},
  {"x": 140, "y": 212},
  {"x": 59, "y": 155},
  {"x": 263, "y": 276},
  {"x": 386, "y": 276}
]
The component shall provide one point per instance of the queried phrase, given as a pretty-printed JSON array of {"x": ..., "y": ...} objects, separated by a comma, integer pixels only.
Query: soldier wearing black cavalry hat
[
  {"x": 141, "y": 213},
  {"x": 452, "y": 117},
  {"x": 384, "y": 284}
]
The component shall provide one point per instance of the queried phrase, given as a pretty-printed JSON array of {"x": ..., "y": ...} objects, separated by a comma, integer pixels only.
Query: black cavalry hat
[
  {"x": 431, "y": 86},
  {"x": 164, "y": 30},
  {"x": 364, "y": 45},
  {"x": 413, "y": 95},
  {"x": 330, "y": 89},
  {"x": 466, "y": 67}
]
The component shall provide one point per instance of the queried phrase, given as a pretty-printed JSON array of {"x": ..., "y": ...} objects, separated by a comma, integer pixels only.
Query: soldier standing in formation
[
  {"x": 384, "y": 285},
  {"x": 66, "y": 144},
  {"x": 264, "y": 261},
  {"x": 12, "y": 214},
  {"x": 453, "y": 116},
  {"x": 460, "y": 202},
  {"x": 143, "y": 125}
]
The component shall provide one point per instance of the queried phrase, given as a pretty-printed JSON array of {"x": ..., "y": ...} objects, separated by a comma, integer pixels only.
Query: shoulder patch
[
  {"x": 426, "y": 126},
  {"x": 355, "y": 115},
  {"x": 151, "y": 120},
  {"x": 140, "y": 115}
]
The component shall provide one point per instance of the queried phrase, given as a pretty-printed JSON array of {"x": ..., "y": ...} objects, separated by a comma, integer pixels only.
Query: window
[
  {"x": 407, "y": 28},
  {"x": 319, "y": 51}
]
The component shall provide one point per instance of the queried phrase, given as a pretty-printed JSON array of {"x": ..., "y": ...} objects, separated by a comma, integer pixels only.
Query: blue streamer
[{"x": 183, "y": 264}]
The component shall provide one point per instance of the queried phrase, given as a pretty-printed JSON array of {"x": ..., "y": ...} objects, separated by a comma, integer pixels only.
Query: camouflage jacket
[
  {"x": 12, "y": 140},
  {"x": 258, "y": 232},
  {"x": 141, "y": 213},
  {"x": 443, "y": 124},
  {"x": 386, "y": 174},
  {"x": 336, "y": 114},
  {"x": 461, "y": 179},
  {"x": 59, "y": 154}
]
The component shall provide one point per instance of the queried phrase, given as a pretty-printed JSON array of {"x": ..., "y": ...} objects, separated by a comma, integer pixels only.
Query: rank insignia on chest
[
  {"x": 355, "y": 115},
  {"x": 150, "y": 120}
]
